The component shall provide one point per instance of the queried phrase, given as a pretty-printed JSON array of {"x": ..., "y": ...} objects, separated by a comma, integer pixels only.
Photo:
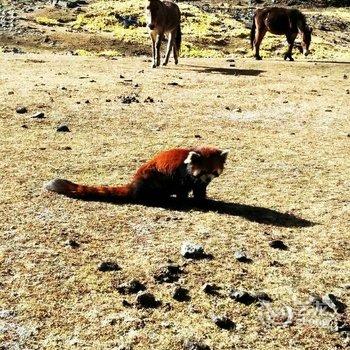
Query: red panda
[{"x": 176, "y": 172}]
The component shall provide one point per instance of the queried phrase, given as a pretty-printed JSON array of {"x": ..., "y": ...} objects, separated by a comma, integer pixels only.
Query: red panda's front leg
[{"x": 200, "y": 191}]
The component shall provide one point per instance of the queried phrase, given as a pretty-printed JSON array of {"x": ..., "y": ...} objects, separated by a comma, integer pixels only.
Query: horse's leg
[
  {"x": 259, "y": 36},
  {"x": 290, "y": 40},
  {"x": 175, "y": 52},
  {"x": 153, "y": 37},
  {"x": 170, "y": 46},
  {"x": 158, "y": 45}
]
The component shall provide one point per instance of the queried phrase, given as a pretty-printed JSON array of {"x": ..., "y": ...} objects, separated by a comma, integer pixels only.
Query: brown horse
[
  {"x": 164, "y": 18},
  {"x": 279, "y": 20}
]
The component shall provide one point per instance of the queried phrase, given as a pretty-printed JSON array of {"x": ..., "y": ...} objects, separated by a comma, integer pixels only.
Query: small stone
[
  {"x": 108, "y": 100},
  {"x": 278, "y": 244},
  {"x": 87, "y": 101},
  {"x": 340, "y": 326},
  {"x": 131, "y": 287},
  {"x": 224, "y": 322},
  {"x": 197, "y": 136},
  {"x": 24, "y": 126},
  {"x": 108, "y": 266},
  {"x": 63, "y": 128},
  {"x": 194, "y": 345},
  {"x": 192, "y": 251},
  {"x": 333, "y": 303},
  {"x": 11, "y": 93},
  {"x": 168, "y": 274},
  {"x": 149, "y": 100},
  {"x": 262, "y": 296},
  {"x": 210, "y": 288},
  {"x": 125, "y": 303},
  {"x": 39, "y": 115},
  {"x": 21, "y": 110},
  {"x": 242, "y": 297},
  {"x": 146, "y": 300},
  {"x": 72, "y": 243},
  {"x": 67, "y": 148},
  {"x": 241, "y": 256},
  {"x": 345, "y": 76},
  {"x": 181, "y": 294},
  {"x": 7, "y": 314},
  {"x": 121, "y": 76},
  {"x": 238, "y": 110},
  {"x": 174, "y": 83}
]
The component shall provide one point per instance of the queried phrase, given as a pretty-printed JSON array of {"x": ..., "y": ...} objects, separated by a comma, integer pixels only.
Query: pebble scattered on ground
[
  {"x": 146, "y": 300},
  {"x": 224, "y": 322},
  {"x": 108, "y": 266}
]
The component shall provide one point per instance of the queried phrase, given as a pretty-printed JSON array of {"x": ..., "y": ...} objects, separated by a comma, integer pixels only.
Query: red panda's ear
[
  {"x": 192, "y": 157},
  {"x": 224, "y": 154}
]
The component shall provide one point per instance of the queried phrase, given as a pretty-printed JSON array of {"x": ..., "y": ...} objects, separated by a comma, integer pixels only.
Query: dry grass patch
[{"x": 288, "y": 154}]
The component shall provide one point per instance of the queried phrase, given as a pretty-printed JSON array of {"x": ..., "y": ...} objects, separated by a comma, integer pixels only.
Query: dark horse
[
  {"x": 279, "y": 20},
  {"x": 164, "y": 18}
]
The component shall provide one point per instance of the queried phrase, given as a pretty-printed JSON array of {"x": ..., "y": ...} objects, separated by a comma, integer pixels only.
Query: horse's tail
[
  {"x": 178, "y": 38},
  {"x": 252, "y": 33}
]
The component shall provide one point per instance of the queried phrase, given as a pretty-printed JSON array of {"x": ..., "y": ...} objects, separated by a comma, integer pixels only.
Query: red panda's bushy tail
[{"x": 70, "y": 189}]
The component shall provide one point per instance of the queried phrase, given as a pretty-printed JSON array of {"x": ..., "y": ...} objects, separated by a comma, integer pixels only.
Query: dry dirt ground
[{"x": 287, "y": 177}]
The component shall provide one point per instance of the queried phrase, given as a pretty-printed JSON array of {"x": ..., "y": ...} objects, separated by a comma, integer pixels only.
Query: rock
[
  {"x": 194, "y": 345},
  {"x": 149, "y": 100},
  {"x": 125, "y": 303},
  {"x": 241, "y": 256},
  {"x": 129, "y": 99},
  {"x": 146, "y": 300},
  {"x": 333, "y": 303},
  {"x": 24, "y": 126},
  {"x": 262, "y": 296},
  {"x": 242, "y": 297},
  {"x": 210, "y": 288},
  {"x": 278, "y": 244},
  {"x": 168, "y": 274},
  {"x": 340, "y": 326},
  {"x": 192, "y": 251},
  {"x": 108, "y": 266},
  {"x": 224, "y": 322},
  {"x": 72, "y": 243},
  {"x": 7, "y": 314},
  {"x": 63, "y": 128},
  {"x": 39, "y": 115},
  {"x": 131, "y": 287},
  {"x": 181, "y": 294},
  {"x": 21, "y": 110}
]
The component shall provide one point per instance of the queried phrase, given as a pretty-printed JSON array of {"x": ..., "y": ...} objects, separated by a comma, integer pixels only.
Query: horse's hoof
[
  {"x": 258, "y": 58},
  {"x": 154, "y": 66},
  {"x": 291, "y": 59},
  {"x": 176, "y": 62},
  {"x": 165, "y": 63}
]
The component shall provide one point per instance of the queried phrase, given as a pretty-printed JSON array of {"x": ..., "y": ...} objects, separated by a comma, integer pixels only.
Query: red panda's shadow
[{"x": 252, "y": 213}]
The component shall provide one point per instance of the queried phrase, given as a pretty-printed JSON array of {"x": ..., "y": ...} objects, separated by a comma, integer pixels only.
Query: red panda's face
[{"x": 206, "y": 165}]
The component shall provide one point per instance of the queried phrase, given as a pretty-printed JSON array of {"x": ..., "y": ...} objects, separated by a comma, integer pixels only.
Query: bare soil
[{"x": 287, "y": 177}]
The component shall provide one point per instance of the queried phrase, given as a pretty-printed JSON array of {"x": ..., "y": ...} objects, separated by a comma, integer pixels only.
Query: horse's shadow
[
  {"x": 257, "y": 214},
  {"x": 229, "y": 71}
]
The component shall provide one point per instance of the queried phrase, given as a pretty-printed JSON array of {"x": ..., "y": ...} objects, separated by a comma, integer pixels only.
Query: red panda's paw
[{"x": 58, "y": 186}]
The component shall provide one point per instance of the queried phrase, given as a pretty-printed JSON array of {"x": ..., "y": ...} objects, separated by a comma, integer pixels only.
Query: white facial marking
[
  {"x": 189, "y": 158},
  {"x": 196, "y": 172}
]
